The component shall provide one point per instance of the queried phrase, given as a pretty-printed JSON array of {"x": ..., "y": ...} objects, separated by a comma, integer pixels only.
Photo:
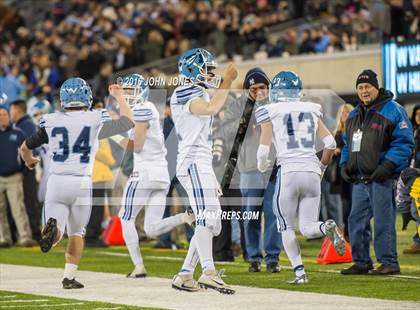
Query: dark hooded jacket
[
  {"x": 234, "y": 114},
  {"x": 387, "y": 137}
]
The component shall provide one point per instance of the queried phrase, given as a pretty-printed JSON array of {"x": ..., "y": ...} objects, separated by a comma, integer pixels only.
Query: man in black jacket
[
  {"x": 378, "y": 145},
  {"x": 257, "y": 189}
]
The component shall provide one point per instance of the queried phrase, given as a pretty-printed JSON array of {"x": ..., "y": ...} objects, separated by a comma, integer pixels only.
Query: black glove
[
  {"x": 345, "y": 174},
  {"x": 383, "y": 171},
  {"x": 406, "y": 218}
]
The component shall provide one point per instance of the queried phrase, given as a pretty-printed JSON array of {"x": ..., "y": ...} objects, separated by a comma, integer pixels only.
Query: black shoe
[
  {"x": 223, "y": 258},
  {"x": 254, "y": 267},
  {"x": 355, "y": 269},
  {"x": 273, "y": 267},
  {"x": 48, "y": 235},
  {"x": 5, "y": 244},
  {"x": 384, "y": 270},
  {"x": 71, "y": 284}
]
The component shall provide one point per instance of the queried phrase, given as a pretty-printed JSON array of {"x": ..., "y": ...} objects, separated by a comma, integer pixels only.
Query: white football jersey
[
  {"x": 73, "y": 140},
  {"x": 295, "y": 125},
  {"x": 194, "y": 131},
  {"x": 154, "y": 151}
]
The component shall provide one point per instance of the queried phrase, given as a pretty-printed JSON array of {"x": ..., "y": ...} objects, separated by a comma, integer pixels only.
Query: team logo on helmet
[
  {"x": 286, "y": 84},
  {"x": 75, "y": 92}
]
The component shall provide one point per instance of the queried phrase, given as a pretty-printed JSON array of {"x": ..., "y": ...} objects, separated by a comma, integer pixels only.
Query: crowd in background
[
  {"x": 46, "y": 42},
  {"x": 92, "y": 39}
]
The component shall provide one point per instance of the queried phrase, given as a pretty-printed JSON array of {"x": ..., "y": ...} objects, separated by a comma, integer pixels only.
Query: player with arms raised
[
  {"x": 72, "y": 136},
  {"x": 192, "y": 112},
  {"x": 293, "y": 125},
  {"x": 149, "y": 183}
]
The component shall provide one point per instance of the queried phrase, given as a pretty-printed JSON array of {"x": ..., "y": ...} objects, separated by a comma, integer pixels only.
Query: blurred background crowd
[{"x": 44, "y": 42}]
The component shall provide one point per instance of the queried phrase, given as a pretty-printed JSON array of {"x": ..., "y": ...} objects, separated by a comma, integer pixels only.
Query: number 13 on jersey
[{"x": 300, "y": 130}]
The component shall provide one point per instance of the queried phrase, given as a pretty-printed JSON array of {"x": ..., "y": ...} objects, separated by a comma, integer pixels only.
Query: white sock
[
  {"x": 191, "y": 259},
  {"x": 134, "y": 250},
  {"x": 291, "y": 246},
  {"x": 164, "y": 225},
  {"x": 299, "y": 270},
  {"x": 131, "y": 239},
  {"x": 204, "y": 242},
  {"x": 69, "y": 270}
]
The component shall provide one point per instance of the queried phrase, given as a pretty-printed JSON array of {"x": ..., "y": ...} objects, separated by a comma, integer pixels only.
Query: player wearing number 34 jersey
[
  {"x": 292, "y": 126},
  {"x": 72, "y": 136}
]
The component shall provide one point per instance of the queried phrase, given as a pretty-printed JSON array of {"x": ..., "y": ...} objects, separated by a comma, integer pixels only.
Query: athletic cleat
[
  {"x": 303, "y": 279},
  {"x": 48, "y": 235},
  {"x": 185, "y": 282},
  {"x": 213, "y": 280},
  {"x": 71, "y": 284},
  {"x": 189, "y": 217},
  {"x": 336, "y": 237},
  {"x": 138, "y": 272}
]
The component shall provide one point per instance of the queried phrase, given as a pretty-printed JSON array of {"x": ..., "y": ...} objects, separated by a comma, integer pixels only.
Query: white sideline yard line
[
  {"x": 180, "y": 259},
  {"x": 8, "y": 296},
  {"x": 25, "y": 300},
  {"x": 47, "y": 305},
  {"x": 157, "y": 292}
]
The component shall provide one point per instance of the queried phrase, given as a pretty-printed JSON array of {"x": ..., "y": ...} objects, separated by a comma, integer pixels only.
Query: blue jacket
[
  {"x": 27, "y": 126},
  {"x": 10, "y": 141},
  {"x": 387, "y": 136}
]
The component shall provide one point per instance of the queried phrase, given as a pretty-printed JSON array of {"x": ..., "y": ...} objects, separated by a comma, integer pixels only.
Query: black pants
[
  {"x": 222, "y": 244},
  {"x": 94, "y": 227},
  {"x": 32, "y": 205}
]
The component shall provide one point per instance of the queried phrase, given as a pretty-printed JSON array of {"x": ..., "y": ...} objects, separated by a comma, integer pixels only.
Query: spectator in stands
[
  {"x": 102, "y": 78},
  {"x": 153, "y": 48},
  {"x": 233, "y": 19},
  {"x": 83, "y": 65},
  {"x": 11, "y": 186},
  {"x": 9, "y": 84},
  {"x": 21, "y": 120},
  {"x": 307, "y": 43},
  {"x": 44, "y": 76},
  {"x": 378, "y": 143}
]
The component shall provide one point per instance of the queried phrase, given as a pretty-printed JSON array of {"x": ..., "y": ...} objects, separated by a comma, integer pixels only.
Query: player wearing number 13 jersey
[
  {"x": 293, "y": 125},
  {"x": 72, "y": 136}
]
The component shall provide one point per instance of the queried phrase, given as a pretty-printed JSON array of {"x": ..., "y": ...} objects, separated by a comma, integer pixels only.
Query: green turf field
[
  {"x": 323, "y": 278},
  {"x": 15, "y": 300}
]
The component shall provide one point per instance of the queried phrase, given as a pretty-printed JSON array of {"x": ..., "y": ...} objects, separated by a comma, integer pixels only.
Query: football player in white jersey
[
  {"x": 192, "y": 112},
  {"x": 72, "y": 137},
  {"x": 293, "y": 125},
  {"x": 149, "y": 183}
]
